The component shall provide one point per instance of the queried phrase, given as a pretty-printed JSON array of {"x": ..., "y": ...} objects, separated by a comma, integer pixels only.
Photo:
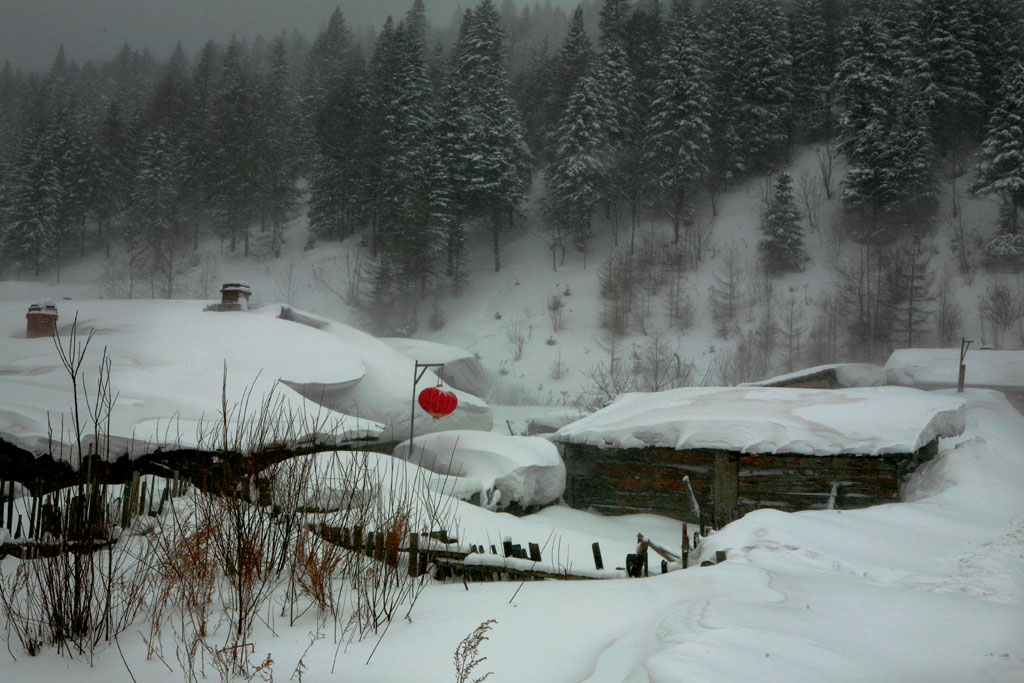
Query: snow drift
[{"x": 499, "y": 469}]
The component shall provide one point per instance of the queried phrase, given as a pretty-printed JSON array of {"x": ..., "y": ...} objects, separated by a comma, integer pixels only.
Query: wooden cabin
[{"x": 729, "y": 450}]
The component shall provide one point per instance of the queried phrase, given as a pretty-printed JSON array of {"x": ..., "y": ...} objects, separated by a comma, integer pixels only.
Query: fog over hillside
[{"x": 31, "y": 31}]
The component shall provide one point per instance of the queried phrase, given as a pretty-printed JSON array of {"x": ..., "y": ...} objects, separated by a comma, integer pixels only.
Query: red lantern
[{"x": 438, "y": 401}]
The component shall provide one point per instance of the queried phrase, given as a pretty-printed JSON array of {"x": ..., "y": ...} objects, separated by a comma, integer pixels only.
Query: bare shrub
[
  {"x": 657, "y": 366},
  {"x": 467, "y": 655},
  {"x": 516, "y": 336},
  {"x": 556, "y": 311},
  {"x": 344, "y": 276}
]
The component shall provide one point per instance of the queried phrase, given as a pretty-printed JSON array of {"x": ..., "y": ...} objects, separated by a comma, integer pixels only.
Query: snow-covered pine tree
[
  {"x": 233, "y": 134},
  {"x": 943, "y": 67},
  {"x": 572, "y": 63},
  {"x": 612, "y": 24},
  {"x": 33, "y": 205},
  {"x": 340, "y": 170},
  {"x": 782, "y": 241},
  {"x": 324, "y": 65},
  {"x": 490, "y": 160},
  {"x": 576, "y": 178},
  {"x": 763, "y": 86},
  {"x": 678, "y": 130},
  {"x": 1000, "y": 169},
  {"x": 278, "y": 145},
  {"x": 811, "y": 71}
]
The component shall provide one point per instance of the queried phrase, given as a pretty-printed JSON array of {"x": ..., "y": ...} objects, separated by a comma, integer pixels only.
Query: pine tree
[
  {"x": 782, "y": 243},
  {"x": 573, "y": 62},
  {"x": 943, "y": 67},
  {"x": 278, "y": 147},
  {"x": 577, "y": 175},
  {"x": 341, "y": 174},
  {"x": 490, "y": 162},
  {"x": 233, "y": 134},
  {"x": 1000, "y": 169},
  {"x": 811, "y": 73},
  {"x": 678, "y": 132}
]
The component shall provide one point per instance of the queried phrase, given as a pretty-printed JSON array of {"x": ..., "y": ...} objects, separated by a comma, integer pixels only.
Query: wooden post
[
  {"x": 598, "y": 562},
  {"x": 414, "y": 560},
  {"x": 368, "y": 551},
  {"x": 346, "y": 541},
  {"x": 142, "y": 500},
  {"x": 357, "y": 538},
  {"x": 534, "y": 552},
  {"x": 686, "y": 559},
  {"x": 10, "y": 504},
  {"x": 164, "y": 496},
  {"x": 506, "y": 546},
  {"x": 719, "y": 556},
  {"x": 686, "y": 539},
  {"x": 494, "y": 551},
  {"x": 378, "y": 546},
  {"x": 517, "y": 551},
  {"x": 32, "y": 517},
  {"x": 664, "y": 566}
]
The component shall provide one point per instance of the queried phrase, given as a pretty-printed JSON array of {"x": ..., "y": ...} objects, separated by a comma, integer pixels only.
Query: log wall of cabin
[{"x": 633, "y": 480}]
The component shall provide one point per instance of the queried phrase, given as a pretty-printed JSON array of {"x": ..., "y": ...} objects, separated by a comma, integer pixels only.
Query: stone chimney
[
  {"x": 234, "y": 296},
  {"x": 42, "y": 319}
]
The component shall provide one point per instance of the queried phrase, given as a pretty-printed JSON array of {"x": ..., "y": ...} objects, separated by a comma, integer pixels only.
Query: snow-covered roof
[
  {"x": 168, "y": 360},
  {"x": 384, "y": 393},
  {"x": 985, "y": 367},
  {"x": 503, "y": 469},
  {"x": 462, "y": 369},
  {"x": 861, "y": 421},
  {"x": 847, "y": 374}
]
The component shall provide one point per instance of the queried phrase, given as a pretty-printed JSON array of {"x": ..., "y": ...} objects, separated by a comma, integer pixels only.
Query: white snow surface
[
  {"x": 985, "y": 367},
  {"x": 861, "y": 421},
  {"x": 384, "y": 393},
  {"x": 848, "y": 374},
  {"x": 168, "y": 360},
  {"x": 501, "y": 469}
]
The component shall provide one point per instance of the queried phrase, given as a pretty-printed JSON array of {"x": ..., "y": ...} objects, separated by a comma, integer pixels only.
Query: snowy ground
[{"x": 928, "y": 589}]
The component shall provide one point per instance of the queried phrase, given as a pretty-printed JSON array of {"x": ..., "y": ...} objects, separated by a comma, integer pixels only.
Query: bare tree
[
  {"x": 826, "y": 155},
  {"x": 725, "y": 293},
  {"x": 792, "y": 330},
  {"x": 949, "y": 315},
  {"x": 1000, "y": 308},
  {"x": 809, "y": 196}
]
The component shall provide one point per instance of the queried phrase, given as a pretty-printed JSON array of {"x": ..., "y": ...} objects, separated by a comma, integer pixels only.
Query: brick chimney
[
  {"x": 42, "y": 319},
  {"x": 234, "y": 296}
]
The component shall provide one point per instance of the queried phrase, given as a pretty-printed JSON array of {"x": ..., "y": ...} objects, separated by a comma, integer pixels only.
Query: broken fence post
[
  {"x": 414, "y": 560},
  {"x": 598, "y": 562},
  {"x": 534, "y": 552}
]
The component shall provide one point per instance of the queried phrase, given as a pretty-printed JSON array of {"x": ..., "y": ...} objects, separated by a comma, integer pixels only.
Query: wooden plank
[{"x": 724, "y": 488}]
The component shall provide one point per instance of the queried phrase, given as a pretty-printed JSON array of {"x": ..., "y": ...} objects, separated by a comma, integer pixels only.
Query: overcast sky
[{"x": 31, "y": 31}]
